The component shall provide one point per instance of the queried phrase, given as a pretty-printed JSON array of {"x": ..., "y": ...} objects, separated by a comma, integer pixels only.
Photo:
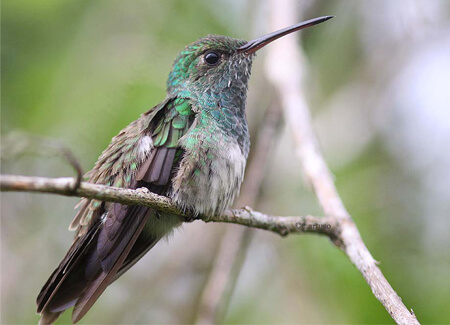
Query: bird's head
[
  {"x": 215, "y": 64},
  {"x": 211, "y": 63}
]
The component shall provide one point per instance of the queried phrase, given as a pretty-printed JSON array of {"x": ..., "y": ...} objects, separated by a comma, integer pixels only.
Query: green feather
[
  {"x": 179, "y": 122},
  {"x": 159, "y": 128},
  {"x": 170, "y": 115},
  {"x": 161, "y": 138},
  {"x": 176, "y": 135},
  {"x": 183, "y": 107}
]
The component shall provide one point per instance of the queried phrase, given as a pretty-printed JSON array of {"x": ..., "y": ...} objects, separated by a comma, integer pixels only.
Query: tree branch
[
  {"x": 284, "y": 69},
  {"x": 245, "y": 217}
]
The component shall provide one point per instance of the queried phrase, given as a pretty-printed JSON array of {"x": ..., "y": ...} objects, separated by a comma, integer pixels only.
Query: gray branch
[
  {"x": 142, "y": 196},
  {"x": 284, "y": 69}
]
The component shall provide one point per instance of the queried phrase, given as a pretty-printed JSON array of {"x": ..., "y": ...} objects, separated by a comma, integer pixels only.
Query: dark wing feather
[
  {"x": 153, "y": 173},
  {"x": 110, "y": 236}
]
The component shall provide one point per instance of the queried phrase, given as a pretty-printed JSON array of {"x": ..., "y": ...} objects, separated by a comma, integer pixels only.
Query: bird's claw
[{"x": 248, "y": 209}]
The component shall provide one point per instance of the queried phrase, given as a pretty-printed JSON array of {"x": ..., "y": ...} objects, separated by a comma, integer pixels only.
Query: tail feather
[
  {"x": 65, "y": 268},
  {"x": 82, "y": 276},
  {"x": 96, "y": 288},
  {"x": 48, "y": 318}
]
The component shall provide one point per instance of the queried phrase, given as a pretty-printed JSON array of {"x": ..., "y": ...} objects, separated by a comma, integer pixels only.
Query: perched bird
[{"x": 192, "y": 148}]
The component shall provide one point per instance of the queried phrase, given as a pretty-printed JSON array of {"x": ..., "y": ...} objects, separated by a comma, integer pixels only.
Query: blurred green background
[{"x": 79, "y": 71}]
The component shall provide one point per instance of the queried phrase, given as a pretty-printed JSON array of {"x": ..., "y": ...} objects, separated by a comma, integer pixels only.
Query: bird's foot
[{"x": 190, "y": 216}]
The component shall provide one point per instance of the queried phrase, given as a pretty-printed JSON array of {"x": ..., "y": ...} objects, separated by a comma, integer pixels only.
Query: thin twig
[
  {"x": 18, "y": 143},
  {"x": 284, "y": 69}
]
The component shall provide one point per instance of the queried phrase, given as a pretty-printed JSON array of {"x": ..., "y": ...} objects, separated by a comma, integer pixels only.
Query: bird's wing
[{"x": 109, "y": 236}]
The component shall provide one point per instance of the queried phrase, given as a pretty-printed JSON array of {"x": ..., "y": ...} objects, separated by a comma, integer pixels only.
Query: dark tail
[{"x": 93, "y": 262}]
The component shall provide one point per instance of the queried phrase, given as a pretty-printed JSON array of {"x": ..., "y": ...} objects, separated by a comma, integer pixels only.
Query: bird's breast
[{"x": 210, "y": 173}]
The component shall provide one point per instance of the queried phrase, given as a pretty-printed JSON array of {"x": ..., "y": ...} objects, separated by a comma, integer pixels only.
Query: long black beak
[{"x": 254, "y": 45}]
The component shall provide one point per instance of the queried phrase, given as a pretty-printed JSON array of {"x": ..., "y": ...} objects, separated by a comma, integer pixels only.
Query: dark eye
[{"x": 212, "y": 58}]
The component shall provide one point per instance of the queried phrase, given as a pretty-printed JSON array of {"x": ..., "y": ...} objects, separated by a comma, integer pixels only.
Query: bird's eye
[{"x": 212, "y": 58}]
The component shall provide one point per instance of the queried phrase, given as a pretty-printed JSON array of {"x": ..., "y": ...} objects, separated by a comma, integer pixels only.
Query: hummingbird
[{"x": 192, "y": 148}]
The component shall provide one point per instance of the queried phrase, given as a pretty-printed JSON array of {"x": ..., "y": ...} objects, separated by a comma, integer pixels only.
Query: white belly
[{"x": 209, "y": 180}]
